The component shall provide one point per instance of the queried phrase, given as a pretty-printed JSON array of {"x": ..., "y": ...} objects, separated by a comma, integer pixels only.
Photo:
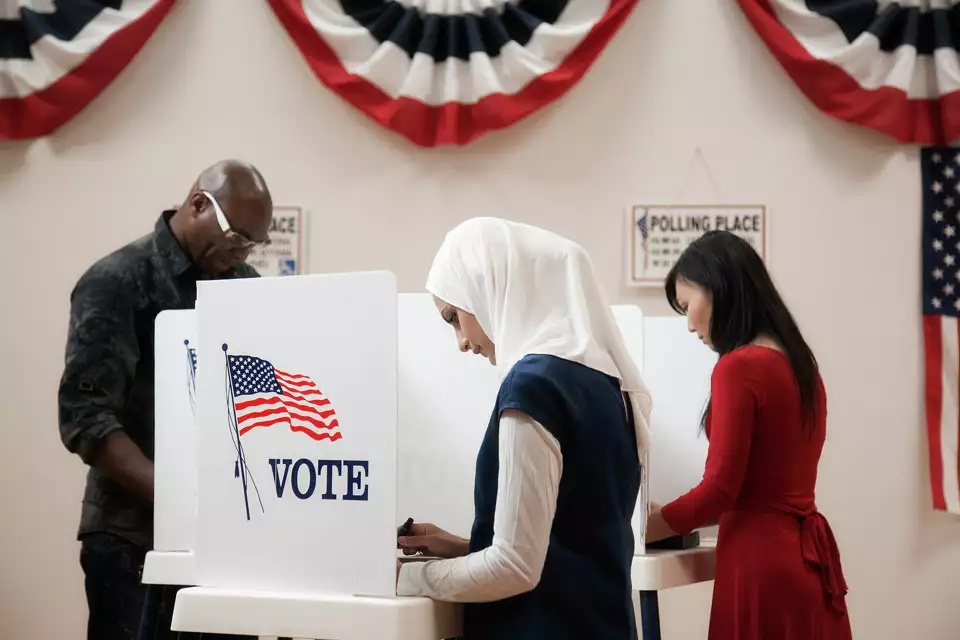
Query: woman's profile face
[
  {"x": 470, "y": 337},
  {"x": 697, "y": 306}
]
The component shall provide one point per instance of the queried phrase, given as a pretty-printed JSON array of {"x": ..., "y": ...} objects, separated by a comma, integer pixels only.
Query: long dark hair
[{"x": 746, "y": 305}]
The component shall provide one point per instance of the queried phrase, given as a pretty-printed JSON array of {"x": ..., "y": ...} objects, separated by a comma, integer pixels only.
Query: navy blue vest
[{"x": 584, "y": 591}]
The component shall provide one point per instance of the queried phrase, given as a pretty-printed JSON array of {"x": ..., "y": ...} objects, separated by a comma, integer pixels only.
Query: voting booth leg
[{"x": 649, "y": 615}]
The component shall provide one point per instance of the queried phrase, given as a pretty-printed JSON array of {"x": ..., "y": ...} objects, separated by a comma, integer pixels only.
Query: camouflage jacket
[{"x": 107, "y": 382}]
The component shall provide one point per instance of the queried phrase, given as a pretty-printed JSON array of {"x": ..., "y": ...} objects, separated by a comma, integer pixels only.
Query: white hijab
[{"x": 534, "y": 292}]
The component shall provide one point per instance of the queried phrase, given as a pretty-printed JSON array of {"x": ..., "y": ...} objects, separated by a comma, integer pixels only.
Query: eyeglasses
[{"x": 237, "y": 239}]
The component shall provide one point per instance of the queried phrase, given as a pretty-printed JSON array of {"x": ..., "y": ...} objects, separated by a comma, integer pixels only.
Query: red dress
[{"x": 778, "y": 568}]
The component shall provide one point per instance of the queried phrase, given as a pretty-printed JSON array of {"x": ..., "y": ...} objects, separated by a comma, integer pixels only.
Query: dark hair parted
[{"x": 745, "y": 304}]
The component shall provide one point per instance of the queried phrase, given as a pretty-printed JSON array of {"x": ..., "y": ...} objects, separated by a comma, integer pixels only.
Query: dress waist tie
[{"x": 819, "y": 549}]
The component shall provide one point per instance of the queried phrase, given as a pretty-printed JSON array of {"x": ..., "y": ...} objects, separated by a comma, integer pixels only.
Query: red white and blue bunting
[
  {"x": 891, "y": 65},
  {"x": 448, "y": 71},
  {"x": 55, "y": 57}
]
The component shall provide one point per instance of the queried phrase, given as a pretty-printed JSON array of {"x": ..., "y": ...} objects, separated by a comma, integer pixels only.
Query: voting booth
[
  {"x": 175, "y": 450},
  {"x": 301, "y": 419}
]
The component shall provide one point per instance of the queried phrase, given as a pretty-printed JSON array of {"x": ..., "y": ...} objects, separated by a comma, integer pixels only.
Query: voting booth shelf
[{"x": 300, "y": 419}]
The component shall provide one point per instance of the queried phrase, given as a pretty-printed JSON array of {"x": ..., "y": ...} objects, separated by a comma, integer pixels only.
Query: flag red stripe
[
  {"x": 313, "y": 392},
  {"x": 933, "y": 358},
  {"x": 286, "y": 415},
  {"x": 285, "y": 410},
  {"x": 302, "y": 395},
  {"x": 302, "y": 387},
  {"x": 285, "y": 405},
  {"x": 957, "y": 425},
  {"x": 272, "y": 403},
  {"x": 296, "y": 384},
  {"x": 317, "y": 401},
  {"x": 292, "y": 376},
  {"x": 265, "y": 423},
  {"x": 246, "y": 404},
  {"x": 274, "y": 410},
  {"x": 304, "y": 384},
  {"x": 333, "y": 437}
]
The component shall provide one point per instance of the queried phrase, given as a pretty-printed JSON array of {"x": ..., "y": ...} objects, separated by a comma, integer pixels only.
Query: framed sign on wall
[
  {"x": 285, "y": 255},
  {"x": 658, "y": 234}
]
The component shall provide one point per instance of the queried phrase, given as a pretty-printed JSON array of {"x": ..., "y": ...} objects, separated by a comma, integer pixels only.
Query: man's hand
[
  {"x": 121, "y": 459},
  {"x": 433, "y": 541}
]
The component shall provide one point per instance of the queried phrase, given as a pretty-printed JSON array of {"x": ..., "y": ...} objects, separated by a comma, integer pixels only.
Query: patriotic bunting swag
[
  {"x": 55, "y": 57},
  {"x": 890, "y": 65},
  {"x": 448, "y": 71}
]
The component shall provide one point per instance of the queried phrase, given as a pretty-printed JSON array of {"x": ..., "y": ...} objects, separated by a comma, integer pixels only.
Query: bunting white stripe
[
  {"x": 388, "y": 67},
  {"x": 53, "y": 59},
  {"x": 921, "y": 77}
]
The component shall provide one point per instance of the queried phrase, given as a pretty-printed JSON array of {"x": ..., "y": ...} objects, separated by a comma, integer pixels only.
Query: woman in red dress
[{"x": 778, "y": 568}]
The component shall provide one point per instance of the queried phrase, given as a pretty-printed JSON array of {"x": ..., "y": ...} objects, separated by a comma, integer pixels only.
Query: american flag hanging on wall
[
  {"x": 940, "y": 168},
  {"x": 892, "y": 66},
  {"x": 55, "y": 57},
  {"x": 446, "y": 72}
]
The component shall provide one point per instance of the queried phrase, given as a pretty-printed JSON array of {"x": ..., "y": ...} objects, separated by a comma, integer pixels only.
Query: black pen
[{"x": 404, "y": 530}]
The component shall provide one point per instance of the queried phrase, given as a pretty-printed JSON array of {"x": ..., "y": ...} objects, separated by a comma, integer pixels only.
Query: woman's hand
[
  {"x": 433, "y": 541},
  {"x": 657, "y": 527}
]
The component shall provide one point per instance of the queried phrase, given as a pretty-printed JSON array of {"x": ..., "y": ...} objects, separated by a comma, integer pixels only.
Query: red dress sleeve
[{"x": 733, "y": 407}]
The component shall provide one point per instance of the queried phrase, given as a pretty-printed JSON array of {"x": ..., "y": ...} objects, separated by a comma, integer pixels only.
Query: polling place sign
[
  {"x": 658, "y": 234},
  {"x": 285, "y": 255}
]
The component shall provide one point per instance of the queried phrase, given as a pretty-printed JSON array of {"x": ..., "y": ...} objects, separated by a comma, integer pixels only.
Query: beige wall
[{"x": 222, "y": 79}]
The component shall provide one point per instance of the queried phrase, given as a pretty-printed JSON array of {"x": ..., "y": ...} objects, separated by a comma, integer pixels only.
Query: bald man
[{"x": 106, "y": 391}]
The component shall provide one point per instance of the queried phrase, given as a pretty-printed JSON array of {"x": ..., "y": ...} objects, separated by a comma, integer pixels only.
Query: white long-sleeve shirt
[{"x": 527, "y": 485}]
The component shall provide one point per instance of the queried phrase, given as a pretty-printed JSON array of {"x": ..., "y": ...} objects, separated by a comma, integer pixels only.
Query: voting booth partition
[
  {"x": 298, "y": 407},
  {"x": 445, "y": 400},
  {"x": 175, "y": 451},
  {"x": 329, "y": 409}
]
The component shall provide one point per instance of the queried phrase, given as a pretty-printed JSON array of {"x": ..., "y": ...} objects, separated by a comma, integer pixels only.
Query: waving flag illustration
[
  {"x": 261, "y": 396},
  {"x": 642, "y": 226},
  {"x": 264, "y": 396},
  {"x": 191, "y": 375}
]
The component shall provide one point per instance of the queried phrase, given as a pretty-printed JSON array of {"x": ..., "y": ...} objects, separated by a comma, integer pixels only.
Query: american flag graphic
[
  {"x": 642, "y": 226},
  {"x": 940, "y": 168},
  {"x": 265, "y": 396},
  {"x": 191, "y": 375}
]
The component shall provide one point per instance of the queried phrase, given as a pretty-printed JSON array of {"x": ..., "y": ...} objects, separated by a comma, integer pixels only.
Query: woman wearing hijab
[
  {"x": 778, "y": 567},
  {"x": 559, "y": 469}
]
